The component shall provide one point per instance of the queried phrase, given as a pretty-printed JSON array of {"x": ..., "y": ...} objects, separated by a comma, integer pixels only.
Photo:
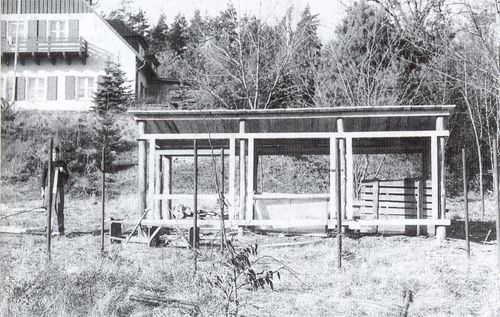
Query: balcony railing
[{"x": 45, "y": 45}]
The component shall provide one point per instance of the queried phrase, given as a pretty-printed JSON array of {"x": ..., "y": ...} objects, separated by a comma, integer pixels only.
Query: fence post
[
  {"x": 103, "y": 169},
  {"x": 49, "y": 198},
  {"x": 466, "y": 204}
]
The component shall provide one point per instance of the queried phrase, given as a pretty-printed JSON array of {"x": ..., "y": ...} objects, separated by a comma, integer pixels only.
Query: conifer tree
[{"x": 110, "y": 99}]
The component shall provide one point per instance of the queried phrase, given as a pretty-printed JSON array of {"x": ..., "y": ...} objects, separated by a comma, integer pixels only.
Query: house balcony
[{"x": 46, "y": 47}]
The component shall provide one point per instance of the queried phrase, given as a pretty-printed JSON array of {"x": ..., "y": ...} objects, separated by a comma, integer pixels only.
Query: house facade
[{"x": 63, "y": 48}]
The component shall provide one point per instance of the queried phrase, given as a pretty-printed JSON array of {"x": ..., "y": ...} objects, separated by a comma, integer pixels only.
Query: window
[
  {"x": 58, "y": 29},
  {"x": 12, "y": 29},
  {"x": 85, "y": 87},
  {"x": 36, "y": 88}
]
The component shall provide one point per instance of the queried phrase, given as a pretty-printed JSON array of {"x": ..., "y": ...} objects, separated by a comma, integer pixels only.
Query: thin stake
[
  {"x": 222, "y": 202},
  {"x": 49, "y": 189},
  {"x": 195, "y": 197},
  {"x": 496, "y": 198},
  {"x": 466, "y": 204},
  {"x": 338, "y": 203},
  {"x": 103, "y": 166}
]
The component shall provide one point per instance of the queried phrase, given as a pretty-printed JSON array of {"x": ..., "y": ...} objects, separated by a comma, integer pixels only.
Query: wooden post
[
  {"x": 167, "y": 186},
  {"x": 103, "y": 169},
  {"x": 157, "y": 188},
  {"x": 339, "y": 206},
  {"x": 195, "y": 197},
  {"x": 435, "y": 184},
  {"x": 243, "y": 189},
  {"x": 420, "y": 201},
  {"x": 466, "y": 204},
  {"x": 142, "y": 170},
  {"x": 375, "y": 212},
  {"x": 342, "y": 158},
  {"x": 151, "y": 180},
  {"x": 250, "y": 176},
  {"x": 222, "y": 202},
  {"x": 49, "y": 198},
  {"x": 333, "y": 186},
  {"x": 442, "y": 177},
  {"x": 496, "y": 197},
  {"x": 349, "y": 179},
  {"x": 232, "y": 177}
]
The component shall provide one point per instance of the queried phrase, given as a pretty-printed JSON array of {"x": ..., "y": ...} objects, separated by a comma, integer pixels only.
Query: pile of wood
[{"x": 185, "y": 212}]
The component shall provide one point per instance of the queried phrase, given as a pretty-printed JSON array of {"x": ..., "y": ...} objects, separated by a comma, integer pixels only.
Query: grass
[{"x": 80, "y": 281}]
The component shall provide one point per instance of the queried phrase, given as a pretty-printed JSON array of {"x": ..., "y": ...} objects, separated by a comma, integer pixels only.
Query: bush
[{"x": 25, "y": 145}]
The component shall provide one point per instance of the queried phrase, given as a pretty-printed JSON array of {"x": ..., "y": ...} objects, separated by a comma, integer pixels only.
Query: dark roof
[
  {"x": 128, "y": 34},
  {"x": 44, "y": 6}
]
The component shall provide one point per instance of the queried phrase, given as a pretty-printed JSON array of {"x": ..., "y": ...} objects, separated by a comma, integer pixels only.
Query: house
[{"x": 63, "y": 47}]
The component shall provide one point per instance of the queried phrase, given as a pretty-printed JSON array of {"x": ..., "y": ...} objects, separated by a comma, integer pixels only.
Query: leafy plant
[{"x": 242, "y": 271}]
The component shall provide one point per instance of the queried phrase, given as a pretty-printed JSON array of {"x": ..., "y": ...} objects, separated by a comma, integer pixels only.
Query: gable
[{"x": 44, "y": 6}]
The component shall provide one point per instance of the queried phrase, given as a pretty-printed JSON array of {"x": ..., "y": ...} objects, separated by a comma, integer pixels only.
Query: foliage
[
  {"x": 8, "y": 115},
  {"x": 158, "y": 36},
  {"x": 177, "y": 35},
  {"x": 241, "y": 272},
  {"x": 110, "y": 99},
  {"x": 136, "y": 20}
]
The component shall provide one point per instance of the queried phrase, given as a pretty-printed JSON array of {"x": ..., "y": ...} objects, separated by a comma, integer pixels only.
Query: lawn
[{"x": 79, "y": 280}]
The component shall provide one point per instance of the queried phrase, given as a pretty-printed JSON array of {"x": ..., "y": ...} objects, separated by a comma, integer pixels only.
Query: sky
[{"x": 330, "y": 12}]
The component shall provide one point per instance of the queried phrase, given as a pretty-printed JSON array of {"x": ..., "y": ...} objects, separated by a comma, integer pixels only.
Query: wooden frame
[{"x": 156, "y": 158}]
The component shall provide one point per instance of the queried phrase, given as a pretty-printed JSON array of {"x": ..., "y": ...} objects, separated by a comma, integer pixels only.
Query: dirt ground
[{"x": 79, "y": 280}]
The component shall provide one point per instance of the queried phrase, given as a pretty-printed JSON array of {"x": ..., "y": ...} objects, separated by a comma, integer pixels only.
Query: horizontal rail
[
  {"x": 265, "y": 196},
  {"x": 298, "y": 135},
  {"x": 353, "y": 224}
]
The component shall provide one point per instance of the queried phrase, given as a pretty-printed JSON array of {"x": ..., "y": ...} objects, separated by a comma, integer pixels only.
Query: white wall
[{"x": 103, "y": 45}]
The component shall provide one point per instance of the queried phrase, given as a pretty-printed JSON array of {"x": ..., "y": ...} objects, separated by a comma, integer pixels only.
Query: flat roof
[{"x": 356, "y": 119}]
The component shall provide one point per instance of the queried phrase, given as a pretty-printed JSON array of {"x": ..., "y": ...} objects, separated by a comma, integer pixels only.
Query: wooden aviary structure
[{"x": 340, "y": 133}]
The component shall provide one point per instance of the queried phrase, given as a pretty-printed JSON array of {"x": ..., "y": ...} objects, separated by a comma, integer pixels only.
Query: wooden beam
[
  {"x": 157, "y": 188},
  {"x": 333, "y": 160},
  {"x": 185, "y": 197},
  {"x": 232, "y": 178},
  {"x": 375, "y": 193},
  {"x": 167, "y": 186},
  {"x": 272, "y": 196},
  {"x": 141, "y": 173},
  {"x": 151, "y": 179},
  {"x": 296, "y": 135},
  {"x": 435, "y": 183},
  {"x": 355, "y": 224},
  {"x": 349, "y": 179},
  {"x": 342, "y": 144},
  {"x": 420, "y": 202},
  {"x": 189, "y": 153},
  {"x": 250, "y": 178},
  {"x": 442, "y": 169},
  {"x": 243, "y": 184}
]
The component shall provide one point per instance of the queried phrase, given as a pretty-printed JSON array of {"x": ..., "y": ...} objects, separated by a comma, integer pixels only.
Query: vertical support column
[
  {"x": 338, "y": 205},
  {"x": 250, "y": 176},
  {"x": 153, "y": 213},
  {"x": 157, "y": 191},
  {"x": 435, "y": 183},
  {"x": 142, "y": 170},
  {"x": 442, "y": 168},
  {"x": 232, "y": 178},
  {"x": 243, "y": 188},
  {"x": 167, "y": 186},
  {"x": 342, "y": 158},
  {"x": 333, "y": 184},
  {"x": 349, "y": 179}
]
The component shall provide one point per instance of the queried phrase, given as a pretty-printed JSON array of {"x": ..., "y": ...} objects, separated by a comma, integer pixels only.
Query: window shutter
[
  {"x": 70, "y": 87},
  {"x": 8, "y": 87},
  {"x": 32, "y": 28},
  {"x": 52, "y": 88},
  {"x": 42, "y": 28},
  {"x": 3, "y": 28},
  {"x": 73, "y": 29},
  {"x": 20, "y": 88}
]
